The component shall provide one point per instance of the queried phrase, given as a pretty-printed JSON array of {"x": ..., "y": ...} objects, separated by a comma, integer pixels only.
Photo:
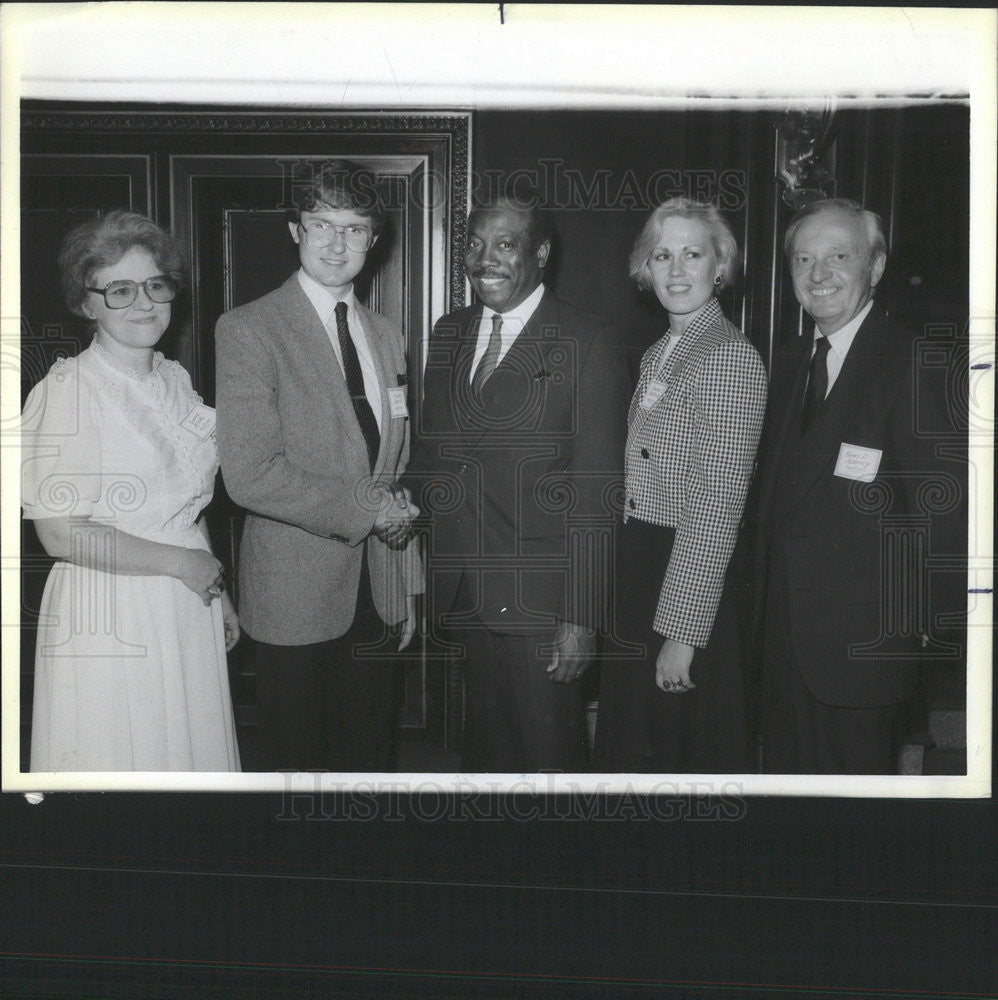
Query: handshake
[{"x": 393, "y": 525}]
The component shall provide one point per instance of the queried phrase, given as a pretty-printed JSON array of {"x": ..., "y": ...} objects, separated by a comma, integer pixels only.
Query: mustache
[{"x": 488, "y": 272}]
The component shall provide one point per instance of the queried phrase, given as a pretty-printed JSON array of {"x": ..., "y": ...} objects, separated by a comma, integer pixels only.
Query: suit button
[
  {"x": 644, "y": 452},
  {"x": 631, "y": 504}
]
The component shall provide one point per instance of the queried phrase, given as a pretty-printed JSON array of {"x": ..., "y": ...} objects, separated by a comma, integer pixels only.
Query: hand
[
  {"x": 393, "y": 525},
  {"x": 574, "y": 648},
  {"x": 230, "y": 622},
  {"x": 409, "y": 625},
  {"x": 672, "y": 668},
  {"x": 203, "y": 573}
]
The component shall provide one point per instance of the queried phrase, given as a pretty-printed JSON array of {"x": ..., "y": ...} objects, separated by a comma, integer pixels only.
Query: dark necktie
[
  {"x": 355, "y": 385},
  {"x": 817, "y": 383},
  {"x": 490, "y": 359}
]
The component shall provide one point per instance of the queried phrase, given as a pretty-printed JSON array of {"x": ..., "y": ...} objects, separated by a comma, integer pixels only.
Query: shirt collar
[
  {"x": 842, "y": 339},
  {"x": 323, "y": 301},
  {"x": 523, "y": 311},
  {"x": 703, "y": 320},
  {"x": 100, "y": 351}
]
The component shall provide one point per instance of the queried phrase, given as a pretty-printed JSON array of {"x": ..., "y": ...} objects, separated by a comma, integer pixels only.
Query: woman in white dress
[{"x": 119, "y": 460}]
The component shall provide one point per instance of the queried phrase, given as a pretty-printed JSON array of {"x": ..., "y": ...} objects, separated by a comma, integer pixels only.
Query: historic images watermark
[
  {"x": 552, "y": 184},
  {"x": 547, "y": 797}
]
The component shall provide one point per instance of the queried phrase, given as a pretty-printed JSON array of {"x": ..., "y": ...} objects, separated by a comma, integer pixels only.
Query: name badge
[
  {"x": 200, "y": 421},
  {"x": 652, "y": 394},
  {"x": 857, "y": 462},
  {"x": 396, "y": 403}
]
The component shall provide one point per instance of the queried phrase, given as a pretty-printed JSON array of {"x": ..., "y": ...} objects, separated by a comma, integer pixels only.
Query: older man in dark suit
[
  {"x": 519, "y": 442},
  {"x": 313, "y": 432},
  {"x": 842, "y": 453}
]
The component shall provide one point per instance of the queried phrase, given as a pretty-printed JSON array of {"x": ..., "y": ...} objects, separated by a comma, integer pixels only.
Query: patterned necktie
[
  {"x": 355, "y": 385},
  {"x": 490, "y": 359},
  {"x": 817, "y": 383}
]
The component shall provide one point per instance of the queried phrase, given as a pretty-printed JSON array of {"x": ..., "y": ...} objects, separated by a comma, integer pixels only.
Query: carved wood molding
[
  {"x": 450, "y": 124},
  {"x": 444, "y": 135}
]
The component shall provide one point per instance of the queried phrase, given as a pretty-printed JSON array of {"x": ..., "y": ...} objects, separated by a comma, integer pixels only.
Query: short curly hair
[
  {"x": 102, "y": 241},
  {"x": 722, "y": 237}
]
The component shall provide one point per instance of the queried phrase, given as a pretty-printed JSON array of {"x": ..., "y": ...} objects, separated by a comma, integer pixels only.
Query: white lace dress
[{"x": 130, "y": 671}]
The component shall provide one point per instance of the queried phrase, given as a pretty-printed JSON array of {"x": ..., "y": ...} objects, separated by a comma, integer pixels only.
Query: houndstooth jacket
[{"x": 689, "y": 459}]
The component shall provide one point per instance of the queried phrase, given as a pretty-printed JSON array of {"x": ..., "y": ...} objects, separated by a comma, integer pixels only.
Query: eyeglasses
[
  {"x": 121, "y": 294},
  {"x": 319, "y": 235}
]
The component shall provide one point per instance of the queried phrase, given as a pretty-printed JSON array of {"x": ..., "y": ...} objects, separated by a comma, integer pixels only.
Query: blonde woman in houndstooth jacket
[{"x": 672, "y": 697}]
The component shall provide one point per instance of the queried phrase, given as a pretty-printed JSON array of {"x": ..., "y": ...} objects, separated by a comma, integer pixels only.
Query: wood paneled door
[{"x": 222, "y": 179}]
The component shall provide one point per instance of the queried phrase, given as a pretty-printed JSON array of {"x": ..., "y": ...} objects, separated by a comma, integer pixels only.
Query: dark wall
[{"x": 602, "y": 172}]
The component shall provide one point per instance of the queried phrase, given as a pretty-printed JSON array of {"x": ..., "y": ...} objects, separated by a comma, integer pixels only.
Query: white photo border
[{"x": 419, "y": 57}]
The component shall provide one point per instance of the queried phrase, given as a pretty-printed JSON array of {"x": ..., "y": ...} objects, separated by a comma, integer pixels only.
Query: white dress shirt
[
  {"x": 325, "y": 304},
  {"x": 839, "y": 344},
  {"x": 513, "y": 323}
]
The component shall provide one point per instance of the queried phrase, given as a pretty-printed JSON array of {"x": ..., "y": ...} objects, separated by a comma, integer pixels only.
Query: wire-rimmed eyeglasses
[
  {"x": 320, "y": 234},
  {"x": 121, "y": 294}
]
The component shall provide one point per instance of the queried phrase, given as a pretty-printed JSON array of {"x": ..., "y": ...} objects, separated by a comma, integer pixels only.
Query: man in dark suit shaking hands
[
  {"x": 519, "y": 441},
  {"x": 313, "y": 433},
  {"x": 843, "y": 458}
]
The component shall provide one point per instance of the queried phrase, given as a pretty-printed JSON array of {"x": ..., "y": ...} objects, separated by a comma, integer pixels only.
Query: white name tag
[
  {"x": 857, "y": 462},
  {"x": 200, "y": 421},
  {"x": 652, "y": 394},
  {"x": 396, "y": 403}
]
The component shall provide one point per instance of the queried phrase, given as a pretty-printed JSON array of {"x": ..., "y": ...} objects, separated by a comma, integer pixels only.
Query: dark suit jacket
[
  {"x": 294, "y": 456},
  {"x": 512, "y": 482},
  {"x": 855, "y": 611}
]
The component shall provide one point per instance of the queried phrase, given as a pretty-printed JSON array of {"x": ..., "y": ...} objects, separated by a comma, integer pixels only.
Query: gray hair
[{"x": 872, "y": 223}]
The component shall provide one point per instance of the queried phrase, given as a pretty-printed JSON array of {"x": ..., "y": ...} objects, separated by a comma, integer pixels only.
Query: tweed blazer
[
  {"x": 693, "y": 430},
  {"x": 293, "y": 454}
]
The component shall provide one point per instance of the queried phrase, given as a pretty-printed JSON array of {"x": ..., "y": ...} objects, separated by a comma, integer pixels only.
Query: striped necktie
[{"x": 490, "y": 359}]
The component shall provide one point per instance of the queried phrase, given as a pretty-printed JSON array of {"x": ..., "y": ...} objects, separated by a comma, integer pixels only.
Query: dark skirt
[{"x": 641, "y": 729}]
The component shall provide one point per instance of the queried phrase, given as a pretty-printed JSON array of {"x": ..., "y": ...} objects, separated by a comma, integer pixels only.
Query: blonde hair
[{"x": 721, "y": 234}]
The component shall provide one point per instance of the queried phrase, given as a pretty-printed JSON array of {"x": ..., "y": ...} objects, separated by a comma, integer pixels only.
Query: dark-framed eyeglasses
[
  {"x": 320, "y": 234},
  {"x": 121, "y": 294}
]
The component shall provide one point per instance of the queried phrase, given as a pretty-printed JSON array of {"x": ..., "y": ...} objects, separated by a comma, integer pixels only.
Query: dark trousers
[
  {"x": 331, "y": 706},
  {"x": 516, "y": 718},
  {"x": 802, "y": 735},
  {"x": 642, "y": 729}
]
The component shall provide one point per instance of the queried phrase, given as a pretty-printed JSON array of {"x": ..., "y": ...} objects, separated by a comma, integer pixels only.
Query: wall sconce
[{"x": 805, "y": 155}]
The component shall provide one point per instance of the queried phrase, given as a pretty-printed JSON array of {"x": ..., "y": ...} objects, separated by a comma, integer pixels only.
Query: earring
[{"x": 717, "y": 281}]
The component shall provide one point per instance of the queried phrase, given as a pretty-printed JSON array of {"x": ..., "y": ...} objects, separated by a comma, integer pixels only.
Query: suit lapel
[
  {"x": 789, "y": 376},
  {"x": 384, "y": 364},
  {"x": 686, "y": 348},
  {"x": 637, "y": 415},
  {"x": 466, "y": 421},
  {"x": 527, "y": 355},
  {"x": 528, "y": 351},
  {"x": 321, "y": 359},
  {"x": 821, "y": 441}
]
